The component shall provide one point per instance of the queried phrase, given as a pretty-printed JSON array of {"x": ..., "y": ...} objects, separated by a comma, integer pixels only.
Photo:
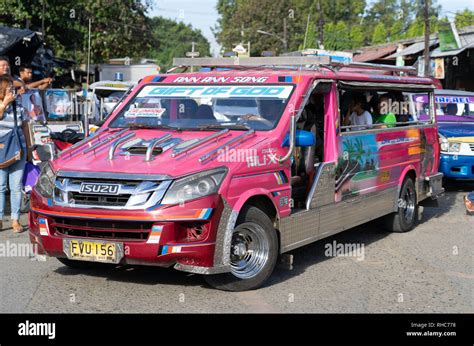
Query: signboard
[
  {"x": 33, "y": 104},
  {"x": 192, "y": 54},
  {"x": 58, "y": 103},
  {"x": 438, "y": 71},
  {"x": 448, "y": 37},
  {"x": 39, "y": 134},
  {"x": 221, "y": 91}
]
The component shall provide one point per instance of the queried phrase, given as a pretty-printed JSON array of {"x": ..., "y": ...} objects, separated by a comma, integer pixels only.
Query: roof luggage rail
[{"x": 286, "y": 61}]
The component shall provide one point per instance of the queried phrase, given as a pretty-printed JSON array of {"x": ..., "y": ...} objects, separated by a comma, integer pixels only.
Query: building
[{"x": 458, "y": 64}]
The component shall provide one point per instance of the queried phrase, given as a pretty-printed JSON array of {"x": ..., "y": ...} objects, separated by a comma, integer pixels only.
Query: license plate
[
  {"x": 94, "y": 251},
  {"x": 100, "y": 189}
]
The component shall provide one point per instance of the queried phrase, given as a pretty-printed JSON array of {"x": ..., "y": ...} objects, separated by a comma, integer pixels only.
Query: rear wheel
[
  {"x": 253, "y": 253},
  {"x": 405, "y": 218}
]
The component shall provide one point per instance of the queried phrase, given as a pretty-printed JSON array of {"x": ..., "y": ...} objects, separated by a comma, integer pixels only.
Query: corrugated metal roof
[
  {"x": 467, "y": 42},
  {"x": 412, "y": 49},
  {"x": 371, "y": 54}
]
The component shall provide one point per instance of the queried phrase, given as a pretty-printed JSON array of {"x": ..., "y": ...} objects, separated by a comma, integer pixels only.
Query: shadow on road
[
  {"x": 144, "y": 275},
  {"x": 306, "y": 256}
]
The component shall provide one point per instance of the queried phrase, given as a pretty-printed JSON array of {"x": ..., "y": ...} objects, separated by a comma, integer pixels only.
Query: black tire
[
  {"x": 85, "y": 264},
  {"x": 406, "y": 217},
  {"x": 250, "y": 217}
]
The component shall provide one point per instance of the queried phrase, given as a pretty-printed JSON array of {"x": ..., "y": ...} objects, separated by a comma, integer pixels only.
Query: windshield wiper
[
  {"x": 147, "y": 126},
  {"x": 242, "y": 126}
]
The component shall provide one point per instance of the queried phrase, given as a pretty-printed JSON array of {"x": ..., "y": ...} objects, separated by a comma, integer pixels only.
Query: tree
[
  {"x": 119, "y": 28},
  {"x": 380, "y": 34},
  {"x": 174, "y": 40},
  {"x": 464, "y": 18}
]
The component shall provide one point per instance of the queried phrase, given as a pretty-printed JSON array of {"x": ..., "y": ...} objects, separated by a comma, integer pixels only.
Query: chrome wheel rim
[
  {"x": 249, "y": 250},
  {"x": 409, "y": 205}
]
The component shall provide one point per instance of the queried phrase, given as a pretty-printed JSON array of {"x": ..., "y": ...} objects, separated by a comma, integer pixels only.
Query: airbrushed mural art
[{"x": 374, "y": 161}]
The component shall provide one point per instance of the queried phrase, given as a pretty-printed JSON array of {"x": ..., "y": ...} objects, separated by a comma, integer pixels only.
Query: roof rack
[{"x": 287, "y": 61}]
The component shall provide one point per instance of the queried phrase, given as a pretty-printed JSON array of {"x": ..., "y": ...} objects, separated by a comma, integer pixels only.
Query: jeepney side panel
[{"x": 374, "y": 160}]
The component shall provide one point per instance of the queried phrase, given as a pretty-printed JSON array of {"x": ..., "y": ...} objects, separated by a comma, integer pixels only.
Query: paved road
[{"x": 430, "y": 269}]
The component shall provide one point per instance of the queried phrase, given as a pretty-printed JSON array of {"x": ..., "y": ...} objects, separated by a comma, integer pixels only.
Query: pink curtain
[{"x": 331, "y": 125}]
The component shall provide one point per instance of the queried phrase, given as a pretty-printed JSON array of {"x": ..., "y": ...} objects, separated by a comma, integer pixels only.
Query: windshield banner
[{"x": 209, "y": 91}]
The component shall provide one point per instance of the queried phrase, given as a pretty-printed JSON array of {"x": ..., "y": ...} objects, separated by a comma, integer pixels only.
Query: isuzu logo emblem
[{"x": 100, "y": 189}]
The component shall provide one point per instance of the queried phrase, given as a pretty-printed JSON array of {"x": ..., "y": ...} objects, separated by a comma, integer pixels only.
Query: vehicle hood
[
  {"x": 456, "y": 129},
  {"x": 234, "y": 157}
]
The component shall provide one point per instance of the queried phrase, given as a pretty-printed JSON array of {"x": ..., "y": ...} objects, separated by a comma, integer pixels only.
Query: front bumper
[
  {"x": 183, "y": 236},
  {"x": 457, "y": 166}
]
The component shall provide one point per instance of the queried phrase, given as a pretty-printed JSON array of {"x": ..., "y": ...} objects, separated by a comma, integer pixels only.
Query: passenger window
[{"x": 378, "y": 109}]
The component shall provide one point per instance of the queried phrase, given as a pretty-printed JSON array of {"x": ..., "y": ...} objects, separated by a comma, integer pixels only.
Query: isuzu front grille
[
  {"x": 119, "y": 230},
  {"x": 126, "y": 194}
]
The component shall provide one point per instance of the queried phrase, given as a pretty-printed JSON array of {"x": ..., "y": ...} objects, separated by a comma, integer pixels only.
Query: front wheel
[
  {"x": 253, "y": 253},
  {"x": 405, "y": 218}
]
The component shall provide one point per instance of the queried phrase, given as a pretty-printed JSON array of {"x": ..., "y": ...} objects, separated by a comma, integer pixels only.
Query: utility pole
[
  {"x": 42, "y": 18},
  {"x": 426, "y": 12},
  {"x": 319, "y": 8},
  {"x": 285, "y": 37}
]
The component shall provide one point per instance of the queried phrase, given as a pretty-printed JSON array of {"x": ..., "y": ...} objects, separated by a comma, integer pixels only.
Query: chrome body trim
[
  {"x": 153, "y": 144},
  {"x": 202, "y": 270},
  {"x": 323, "y": 188},
  {"x": 144, "y": 195},
  {"x": 179, "y": 151},
  {"x": 117, "y": 142},
  {"x": 232, "y": 141},
  {"x": 112, "y": 175},
  {"x": 104, "y": 141}
]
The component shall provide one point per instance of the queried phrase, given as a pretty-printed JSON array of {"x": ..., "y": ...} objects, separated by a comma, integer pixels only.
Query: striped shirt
[{"x": 7, "y": 123}]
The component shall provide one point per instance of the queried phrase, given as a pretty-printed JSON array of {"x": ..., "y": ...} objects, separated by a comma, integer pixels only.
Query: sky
[{"x": 202, "y": 14}]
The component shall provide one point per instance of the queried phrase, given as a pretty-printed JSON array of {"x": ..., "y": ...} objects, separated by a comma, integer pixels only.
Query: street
[{"x": 430, "y": 269}]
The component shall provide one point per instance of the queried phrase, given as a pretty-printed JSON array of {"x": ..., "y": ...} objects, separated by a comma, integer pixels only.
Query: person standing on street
[
  {"x": 26, "y": 75},
  {"x": 14, "y": 173}
]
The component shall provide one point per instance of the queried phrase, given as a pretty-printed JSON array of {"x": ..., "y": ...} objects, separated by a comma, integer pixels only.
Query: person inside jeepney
[
  {"x": 452, "y": 109},
  {"x": 358, "y": 113},
  {"x": 187, "y": 108},
  {"x": 385, "y": 117},
  {"x": 269, "y": 110},
  {"x": 312, "y": 119}
]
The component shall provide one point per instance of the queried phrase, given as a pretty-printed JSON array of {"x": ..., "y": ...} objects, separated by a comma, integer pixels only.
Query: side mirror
[{"x": 302, "y": 139}]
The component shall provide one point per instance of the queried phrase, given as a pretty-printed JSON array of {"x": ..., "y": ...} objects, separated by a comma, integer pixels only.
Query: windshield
[
  {"x": 448, "y": 107},
  {"x": 257, "y": 107}
]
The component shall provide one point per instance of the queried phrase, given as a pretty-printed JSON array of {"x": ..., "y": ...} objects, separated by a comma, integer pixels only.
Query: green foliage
[
  {"x": 380, "y": 34},
  {"x": 464, "y": 18},
  {"x": 343, "y": 24},
  {"x": 175, "y": 39},
  {"x": 119, "y": 28}
]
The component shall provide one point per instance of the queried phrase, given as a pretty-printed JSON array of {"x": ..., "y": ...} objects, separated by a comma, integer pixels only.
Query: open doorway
[{"x": 307, "y": 159}]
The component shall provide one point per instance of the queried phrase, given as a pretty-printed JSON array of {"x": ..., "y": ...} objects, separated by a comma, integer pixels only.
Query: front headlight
[
  {"x": 194, "y": 186},
  {"x": 444, "y": 143},
  {"x": 454, "y": 147},
  {"x": 45, "y": 183}
]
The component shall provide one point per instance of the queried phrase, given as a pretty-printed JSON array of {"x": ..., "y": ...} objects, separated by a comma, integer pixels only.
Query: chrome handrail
[
  {"x": 292, "y": 140},
  {"x": 106, "y": 140},
  {"x": 179, "y": 151},
  {"x": 152, "y": 145},
  {"x": 117, "y": 142},
  {"x": 235, "y": 139}
]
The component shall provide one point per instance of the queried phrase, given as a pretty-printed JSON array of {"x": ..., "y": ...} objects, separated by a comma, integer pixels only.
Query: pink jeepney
[{"x": 220, "y": 172}]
